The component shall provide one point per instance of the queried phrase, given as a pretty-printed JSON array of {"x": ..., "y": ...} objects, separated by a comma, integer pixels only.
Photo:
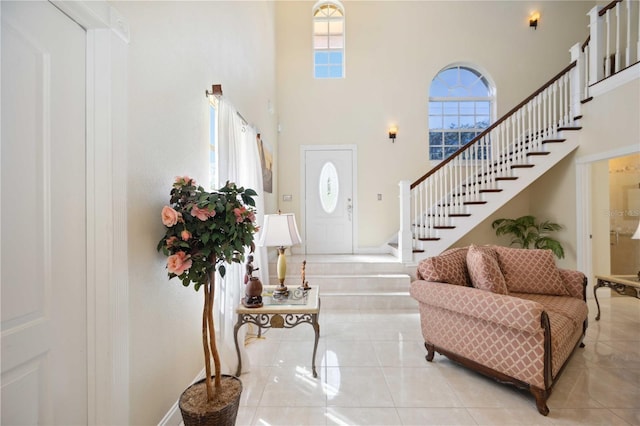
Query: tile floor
[{"x": 372, "y": 371}]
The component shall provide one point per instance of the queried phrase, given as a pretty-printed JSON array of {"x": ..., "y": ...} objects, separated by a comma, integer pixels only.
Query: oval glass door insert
[{"x": 329, "y": 187}]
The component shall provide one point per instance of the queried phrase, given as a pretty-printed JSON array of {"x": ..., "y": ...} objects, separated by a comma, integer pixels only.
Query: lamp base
[{"x": 281, "y": 292}]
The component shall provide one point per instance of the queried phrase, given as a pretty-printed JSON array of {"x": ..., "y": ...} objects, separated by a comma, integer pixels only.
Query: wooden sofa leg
[
  {"x": 541, "y": 400},
  {"x": 430, "y": 351}
]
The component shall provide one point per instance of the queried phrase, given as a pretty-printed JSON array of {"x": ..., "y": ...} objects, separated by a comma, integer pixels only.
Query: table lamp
[{"x": 280, "y": 230}]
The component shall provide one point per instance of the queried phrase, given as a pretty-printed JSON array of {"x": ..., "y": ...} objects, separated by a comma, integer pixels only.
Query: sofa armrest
[
  {"x": 575, "y": 282},
  {"x": 509, "y": 311}
]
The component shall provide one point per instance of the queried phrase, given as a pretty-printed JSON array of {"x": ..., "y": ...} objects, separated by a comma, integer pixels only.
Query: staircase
[{"x": 452, "y": 198}]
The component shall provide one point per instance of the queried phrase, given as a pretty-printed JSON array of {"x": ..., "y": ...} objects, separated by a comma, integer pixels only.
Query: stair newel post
[
  {"x": 596, "y": 52},
  {"x": 575, "y": 78},
  {"x": 405, "y": 245}
]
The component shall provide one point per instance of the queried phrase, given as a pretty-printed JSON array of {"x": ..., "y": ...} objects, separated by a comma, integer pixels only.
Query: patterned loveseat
[{"x": 508, "y": 313}]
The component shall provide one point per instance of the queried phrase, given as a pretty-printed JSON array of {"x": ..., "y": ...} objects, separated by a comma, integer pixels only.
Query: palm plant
[{"x": 527, "y": 233}]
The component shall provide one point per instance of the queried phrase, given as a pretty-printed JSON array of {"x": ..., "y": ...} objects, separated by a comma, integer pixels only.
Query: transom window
[
  {"x": 328, "y": 40},
  {"x": 460, "y": 104}
]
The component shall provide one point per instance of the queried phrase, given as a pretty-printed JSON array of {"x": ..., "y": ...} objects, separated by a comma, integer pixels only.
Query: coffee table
[
  {"x": 626, "y": 285},
  {"x": 298, "y": 309}
]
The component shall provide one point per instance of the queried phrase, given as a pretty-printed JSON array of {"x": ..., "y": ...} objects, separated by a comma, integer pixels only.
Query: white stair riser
[
  {"x": 338, "y": 268},
  {"x": 368, "y": 302},
  {"x": 355, "y": 283}
]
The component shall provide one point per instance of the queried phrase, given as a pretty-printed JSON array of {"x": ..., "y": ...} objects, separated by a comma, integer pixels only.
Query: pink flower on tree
[
  {"x": 239, "y": 212},
  {"x": 178, "y": 263},
  {"x": 185, "y": 235},
  {"x": 184, "y": 181},
  {"x": 170, "y": 217},
  {"x": 202, "y": 214}
]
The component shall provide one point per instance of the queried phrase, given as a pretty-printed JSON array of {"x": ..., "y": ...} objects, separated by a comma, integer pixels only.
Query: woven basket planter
[{"x": 224, "y": 415}]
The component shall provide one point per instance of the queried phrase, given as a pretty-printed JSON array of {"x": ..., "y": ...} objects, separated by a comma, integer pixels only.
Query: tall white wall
[
  {"x": 177, "y": 51},
  {"x": 393, "y": 51}
]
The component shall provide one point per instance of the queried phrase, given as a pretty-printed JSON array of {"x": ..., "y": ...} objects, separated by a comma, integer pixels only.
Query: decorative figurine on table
[
  {"x": 305, "y": 284},
  {"x": 253, "y": 290}
]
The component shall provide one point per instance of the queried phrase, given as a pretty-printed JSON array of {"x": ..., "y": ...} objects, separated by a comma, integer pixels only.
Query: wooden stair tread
[
  {"x": 521, "y": 166},
  {"x": 569, "y": 128},
  {"x": 531, "y": 154},
  {"x": 553, "y": 140}
]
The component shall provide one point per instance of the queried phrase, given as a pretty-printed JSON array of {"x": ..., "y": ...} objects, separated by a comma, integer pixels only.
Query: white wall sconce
[
  {"x": 393, "y": 131},
  {"x": 533, "y": 20}
]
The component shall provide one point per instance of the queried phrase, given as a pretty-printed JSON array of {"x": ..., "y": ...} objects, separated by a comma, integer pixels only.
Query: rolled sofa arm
[
  {"x": 575, "y": 282},
  {"x": 508, "y": 311}
]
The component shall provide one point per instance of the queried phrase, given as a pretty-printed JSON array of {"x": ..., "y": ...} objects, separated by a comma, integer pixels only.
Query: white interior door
[
  {"x": 43, "y": 219},
  {"x": 329, "y": 202}
]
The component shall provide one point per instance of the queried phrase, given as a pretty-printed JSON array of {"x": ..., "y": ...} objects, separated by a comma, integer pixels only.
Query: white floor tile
[{"x": 372, "y": 370}]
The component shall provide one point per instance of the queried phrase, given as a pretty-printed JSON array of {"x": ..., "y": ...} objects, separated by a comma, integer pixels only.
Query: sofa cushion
[
  {"x": 484, "y": 270},
  {"x": 449, "y": 267},
  {"x": 530, "y": 271},
  {"x": 573, "y": 308}
]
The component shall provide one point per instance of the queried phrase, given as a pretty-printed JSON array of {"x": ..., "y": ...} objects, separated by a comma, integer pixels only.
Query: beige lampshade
[
  {"x": 636, "y": 236},
  {"x": 279, "y": 230}
]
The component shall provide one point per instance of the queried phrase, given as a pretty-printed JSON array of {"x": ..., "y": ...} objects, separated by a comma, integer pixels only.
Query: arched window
[
  {"x": 460, "y": 107},
  {"x": 328, "y": 40}
]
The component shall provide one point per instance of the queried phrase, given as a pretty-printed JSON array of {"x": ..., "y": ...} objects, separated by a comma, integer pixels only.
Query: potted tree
[
  {"x": 204, "y": 231},
  {"x": 527, "y": 233}
]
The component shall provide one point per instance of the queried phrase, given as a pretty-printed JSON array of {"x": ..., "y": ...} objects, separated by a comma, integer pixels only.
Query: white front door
[
  {"x": 329, "y": 202},
  {"x": 43, "y": 226}
]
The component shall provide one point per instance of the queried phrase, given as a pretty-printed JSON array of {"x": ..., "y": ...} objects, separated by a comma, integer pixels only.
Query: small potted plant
[
  {"x": 204, "y": 231},
  {"x": 526, "y": 232}
]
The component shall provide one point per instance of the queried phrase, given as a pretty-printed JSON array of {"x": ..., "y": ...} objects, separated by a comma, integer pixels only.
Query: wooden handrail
[
  {"x": 609, "y": 6},
  {"x": 494, "y": 125},
  {"x": 586, "y": 43}
]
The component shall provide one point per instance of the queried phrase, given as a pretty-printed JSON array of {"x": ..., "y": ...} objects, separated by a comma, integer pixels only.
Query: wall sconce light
[
  {"x": 533, "y": 20},
  {"x": 393, "y": 131}
]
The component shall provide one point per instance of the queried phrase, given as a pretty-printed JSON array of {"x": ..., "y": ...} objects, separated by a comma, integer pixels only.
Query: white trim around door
[{"x": 106, "y": 183}]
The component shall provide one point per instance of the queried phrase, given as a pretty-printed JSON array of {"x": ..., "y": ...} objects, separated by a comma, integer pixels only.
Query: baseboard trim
[{"x": 173, "y": 416}]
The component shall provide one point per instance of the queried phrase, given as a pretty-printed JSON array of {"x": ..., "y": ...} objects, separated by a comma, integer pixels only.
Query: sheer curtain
[{"x": 238, "y": 162}]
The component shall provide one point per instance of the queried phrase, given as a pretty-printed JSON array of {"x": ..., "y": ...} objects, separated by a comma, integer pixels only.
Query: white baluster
[
  {"x": 562, "y": 102},
  {"x": 504, "y": 171},
  {"x": 617, "y": 58},
  {"x": 627, "y": 49},
  {"x": 587, "y": 54},
  {"x": 538, "y": 101},
  {"x": 607, "y": 58}
]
